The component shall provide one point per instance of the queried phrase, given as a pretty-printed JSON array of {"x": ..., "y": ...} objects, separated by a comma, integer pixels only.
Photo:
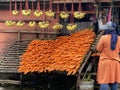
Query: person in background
[{"x": 108, "y": 72}]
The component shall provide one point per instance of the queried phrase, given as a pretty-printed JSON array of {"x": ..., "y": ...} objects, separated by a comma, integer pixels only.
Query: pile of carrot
[{"x": 64, "y": 54}]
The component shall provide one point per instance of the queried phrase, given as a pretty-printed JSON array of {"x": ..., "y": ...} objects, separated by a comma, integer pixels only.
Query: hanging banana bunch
[
  {"x": 49, "y": 13},
  {"x": 26, "y": 12},
  {"x": 79, "y": 15},
  {"x": 71, "y": 27},
  {"x": 57, "y": 26},
  {"x": 43, "y": 24},
  {"x": 15, "y": 12},
  {"x": 38, "y": 13},
  {"x": 32, "y": 23},
  {"x": 10, "y": 23},
  {"x": 20, "y": 23},
  {"x": 64, "y": 15}
]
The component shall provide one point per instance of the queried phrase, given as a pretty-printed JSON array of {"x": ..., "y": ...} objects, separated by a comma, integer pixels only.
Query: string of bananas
[
  {"x": 64, "y": 15},
  {"x": 71, "y": 26},
  {"x": 43, "y": 24},
  {"x": 79, "y": 15},
  {"x": 15, "y": 12},
  {"x": 57, "y": 26},
  {"x": 38, "y": 13},
  {"x": 20, "y": 23},
  {"x": 49, "y": 13},
  {"x": 32, "y": 23},
  {"x": 26, "y": 12},
  {"x": 10, "y": 23}
]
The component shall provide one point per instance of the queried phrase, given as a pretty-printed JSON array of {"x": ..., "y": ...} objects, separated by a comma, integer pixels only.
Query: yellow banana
[
  {"x": 20, "y": 23},
  {"x": 38, "y": 13},
  {"x": 32, "y": 23},
  {"x": 79, "y": 15},
  {"x": 49, "y": 13},
  {"x": 15, "y": 12},
  {"x": 43, "y": 24},
  {"x": 71, "y": 27},
  {"x": 57, "y": 26},
  {"x": 10, "y": 23},
  {"x": 26, "y": 12},
  {"x": 64, "y": 15}
]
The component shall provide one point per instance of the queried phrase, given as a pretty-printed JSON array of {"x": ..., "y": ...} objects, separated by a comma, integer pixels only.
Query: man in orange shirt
[{"x": 108, "y": 73}]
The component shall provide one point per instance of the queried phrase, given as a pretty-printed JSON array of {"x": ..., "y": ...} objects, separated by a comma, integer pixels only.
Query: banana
[
  {"x": 32, "y": 23},
  {"x": 38, "y": 13},
  {"x": 26, "y": 12},
  {"x": 10, "y": 23},
  {"x": 57, "y": 26},
  {"x": 64, "y": 15},
  {"x": 20, "y": 23},
  {"x": 43, "y": 24},
  {"x": 15, "y": 12},
  {"x": 79, "y": 15},
  {"x": 71, "y": 27},
  {"x": 49, "y": 13}
]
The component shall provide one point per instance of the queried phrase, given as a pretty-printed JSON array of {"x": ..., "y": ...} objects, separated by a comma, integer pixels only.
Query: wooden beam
[{"x": 77, "y": 1}]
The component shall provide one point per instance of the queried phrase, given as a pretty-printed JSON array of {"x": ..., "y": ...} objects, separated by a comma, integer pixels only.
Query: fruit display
[
  {"x": 26, "y": 12},
  {"x": 32, "y": 23},
  {"x": 57, "y": 26},
  {"x": 64, "y": 54},
  {"x": 38, "y": 13},
  {"x": 64, "y": 15},
  {"x": 79, "y": 15},
  {"x": 10, "y": 23},
  {"x": 15, "y": 12},
  {"x": 71, "y": 26},
  {"x": 49, "y": 13},
  {"x": 20, "y": 23},
  {"x": 43, "y": 24}
]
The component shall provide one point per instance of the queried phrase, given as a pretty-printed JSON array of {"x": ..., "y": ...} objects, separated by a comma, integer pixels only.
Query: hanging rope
[
  {"x": 15, "y": 8},
  {"x": 32, "y": 5},
  {"x": 10, "y": 8},
  {"x": 80, "y": 6},
  {"x": 50, "y": 5},
  {"x": 38, "y": 5},
  {"x": 64, "y": 9},
  {"x": 44, "y": 5},
  {"x": 58, "y": 11},
  {"x": 26, "y": 5},
  {"x": 72, "y": 12},
  {"x": 20, "y": 5}
]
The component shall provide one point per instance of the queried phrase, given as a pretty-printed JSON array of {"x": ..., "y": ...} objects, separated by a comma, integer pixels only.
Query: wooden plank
[
  {"x": 77, "y": 1},
  {"x": 28, "y": 31},
  {"x": 13, "y": 82}
]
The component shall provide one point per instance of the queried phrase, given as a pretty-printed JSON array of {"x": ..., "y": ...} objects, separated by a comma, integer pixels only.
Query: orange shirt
[
  {"x": 103, "y": 46},
  {"x": 109, "y": 62}
]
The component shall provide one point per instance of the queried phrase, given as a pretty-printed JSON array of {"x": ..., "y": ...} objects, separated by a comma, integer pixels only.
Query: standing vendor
[{"x": 108, "y": 73}]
